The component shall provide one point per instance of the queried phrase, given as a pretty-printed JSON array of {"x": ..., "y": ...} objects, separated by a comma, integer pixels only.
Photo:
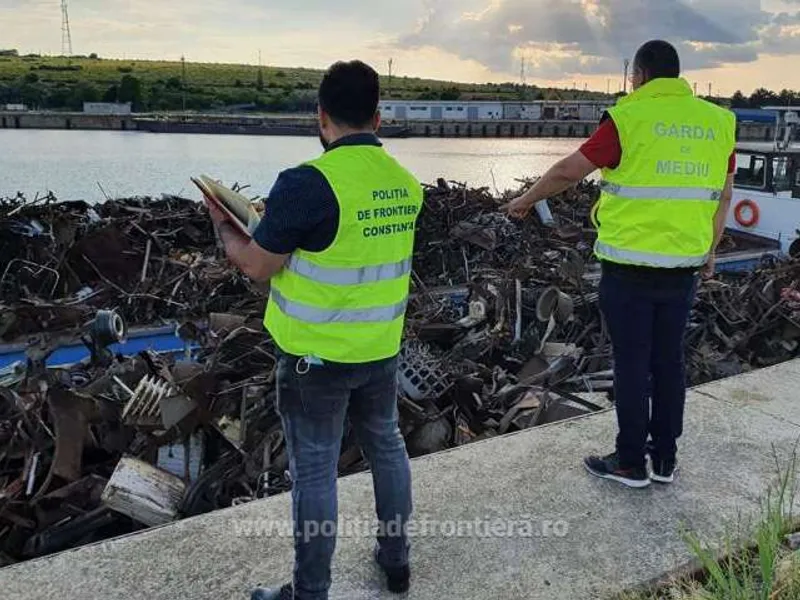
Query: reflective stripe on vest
[
  {"x": 660, "y": 193},
  {"x": 337, "y": 276},
  {"x": 648, "y": 258},
  {"x": 313, "y": 314}
]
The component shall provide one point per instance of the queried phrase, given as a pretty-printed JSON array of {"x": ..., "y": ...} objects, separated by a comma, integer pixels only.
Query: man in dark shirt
[
  {"x": 667, "y": 159},
  {"x": 336, "y": 242},
  {"x": 302, "y": 209}
]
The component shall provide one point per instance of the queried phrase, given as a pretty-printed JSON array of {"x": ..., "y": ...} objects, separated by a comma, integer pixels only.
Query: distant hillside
[{"x": 65, "y": 83}]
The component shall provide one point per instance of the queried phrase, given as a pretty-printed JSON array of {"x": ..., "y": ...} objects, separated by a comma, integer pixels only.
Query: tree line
[
  {"x": 163, "y": 95},
  {"x": 763, "y": 97}
]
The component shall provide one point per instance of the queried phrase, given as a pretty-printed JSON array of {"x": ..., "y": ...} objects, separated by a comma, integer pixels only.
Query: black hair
[
  {"x": 657, "y": 59},
  {"x": 349, "y": 93}
]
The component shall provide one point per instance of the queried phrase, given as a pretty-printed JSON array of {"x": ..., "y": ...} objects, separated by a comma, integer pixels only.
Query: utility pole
[
  {"x": 695, "y": 88},
  {"x": 183, "y": 80},
  {"x": 608, "y": 87},
  {"x": 709, "y": 90},
  {"x": 625, "y": 77},
  {"x": 391, "y": 64},
  {"x": 260, "y": 74}
]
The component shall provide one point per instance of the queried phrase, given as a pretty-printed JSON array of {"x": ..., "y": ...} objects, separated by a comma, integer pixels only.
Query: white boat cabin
[{"x": 766, "y": 196}]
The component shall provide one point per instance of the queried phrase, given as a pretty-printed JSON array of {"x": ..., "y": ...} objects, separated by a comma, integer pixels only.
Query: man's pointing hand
[{"x": 519, "y": 208}]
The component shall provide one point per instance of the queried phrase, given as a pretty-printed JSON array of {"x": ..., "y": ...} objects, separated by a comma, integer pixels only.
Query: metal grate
[{"x": 419, "y": 373}]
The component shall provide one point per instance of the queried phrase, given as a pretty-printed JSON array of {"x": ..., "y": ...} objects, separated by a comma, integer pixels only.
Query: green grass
[
  {"x": 761, "y": 569},
  {"x": 59, "y": 82}
]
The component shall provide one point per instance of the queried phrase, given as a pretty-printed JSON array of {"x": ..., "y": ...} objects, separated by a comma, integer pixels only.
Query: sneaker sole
[
  {"x": 631, "y": 483},
  {"x": 661, "y": 479}
]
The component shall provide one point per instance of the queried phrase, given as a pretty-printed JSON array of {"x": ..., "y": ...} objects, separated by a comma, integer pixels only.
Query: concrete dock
[
  {"x": 289, "y": 124},
  {"x": 561, "y": 534}
]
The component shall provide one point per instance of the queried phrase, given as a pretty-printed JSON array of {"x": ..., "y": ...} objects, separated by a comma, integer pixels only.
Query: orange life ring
[{"x": 752, "y": 219}]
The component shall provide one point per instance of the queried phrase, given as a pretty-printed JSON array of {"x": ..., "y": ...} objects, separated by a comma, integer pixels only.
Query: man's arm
[
  {"x": 255, "y": 262},
  {"x": 302, "y": 212},
  {"x": 561, "y": 176},
  {"x": 721, "y": 216},
  {"x": 602, "y": 150},
  {"x": 719, "y": 225}
]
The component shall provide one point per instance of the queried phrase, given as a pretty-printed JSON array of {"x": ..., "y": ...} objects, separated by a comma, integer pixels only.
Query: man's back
[
  {"x": 346, "y": 303},
  {"x": 657, "y": 207}
]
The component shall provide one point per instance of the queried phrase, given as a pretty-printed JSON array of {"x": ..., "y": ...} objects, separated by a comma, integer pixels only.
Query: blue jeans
[
  {"x": 646, "y": 317},
  {"x": 313, "y": 407}
]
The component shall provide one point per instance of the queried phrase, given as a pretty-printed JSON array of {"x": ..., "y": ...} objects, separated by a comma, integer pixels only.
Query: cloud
[
  {"x": 471, "y": 40},
  {"x": 594, "y": 36},
  {"x": 782, "y": 34}
]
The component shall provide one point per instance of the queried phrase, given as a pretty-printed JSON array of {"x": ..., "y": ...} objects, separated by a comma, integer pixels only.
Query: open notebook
[{"x": 239, "y": 208}]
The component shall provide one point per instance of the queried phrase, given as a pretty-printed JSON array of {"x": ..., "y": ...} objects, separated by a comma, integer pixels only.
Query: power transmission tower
[
  {"x": 66, "y": 36},
  {"x": 625, "y": 77},
  {"x": 709, "y": 90}
]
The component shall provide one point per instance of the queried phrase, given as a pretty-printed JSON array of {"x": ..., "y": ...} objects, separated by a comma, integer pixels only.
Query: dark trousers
[
  {"x": 313, "y": 403},
  {"x": 646, "y": 315}
]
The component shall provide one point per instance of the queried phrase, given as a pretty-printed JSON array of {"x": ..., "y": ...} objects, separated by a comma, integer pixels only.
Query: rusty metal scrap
[
  {"x": 503, "y": 333},
  {"x": 155, "y": 259}
]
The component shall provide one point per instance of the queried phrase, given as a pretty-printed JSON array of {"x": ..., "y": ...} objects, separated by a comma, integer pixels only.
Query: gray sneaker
[
  {"x": 284, "y": 593},
  {"x": 663, "y": 471}
]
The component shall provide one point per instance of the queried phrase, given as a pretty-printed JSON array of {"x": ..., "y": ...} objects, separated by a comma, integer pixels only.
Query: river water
[{"x": 71, "y": 164}]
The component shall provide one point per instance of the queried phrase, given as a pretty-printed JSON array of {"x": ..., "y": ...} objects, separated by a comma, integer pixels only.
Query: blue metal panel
[
  {"x": 163, "y": 339},
  {"x": 739, "y": 266},
  {"x": 755, "y": 115},
  {"x": 472, "y": 113},
  {"x": 436, "y": 113},
  {"x": 747, "y": 262}
]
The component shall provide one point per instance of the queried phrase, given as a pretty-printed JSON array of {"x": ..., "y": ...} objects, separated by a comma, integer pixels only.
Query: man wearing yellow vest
[
  {"x": 336, "y": 244},
  {"x": 667, "y": 160}
]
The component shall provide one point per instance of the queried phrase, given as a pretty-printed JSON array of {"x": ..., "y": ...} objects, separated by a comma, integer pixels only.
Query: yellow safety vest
[
  {"x": 657, "y": 208},
  {"x": 347, "y": 303}
]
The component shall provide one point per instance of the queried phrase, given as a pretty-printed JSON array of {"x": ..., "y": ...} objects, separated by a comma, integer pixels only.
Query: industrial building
[
  {"x": 107, "y": 108},
  {"x": 439, "y": 110}
]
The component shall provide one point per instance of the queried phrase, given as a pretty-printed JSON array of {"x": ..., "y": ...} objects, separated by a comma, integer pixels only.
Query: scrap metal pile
[
  {"x": 504, "y": 333},
  {"x": 154, "y": 259}
]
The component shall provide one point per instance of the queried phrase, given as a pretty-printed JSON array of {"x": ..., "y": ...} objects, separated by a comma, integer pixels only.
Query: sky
[{"x": 730, "y": 44}]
